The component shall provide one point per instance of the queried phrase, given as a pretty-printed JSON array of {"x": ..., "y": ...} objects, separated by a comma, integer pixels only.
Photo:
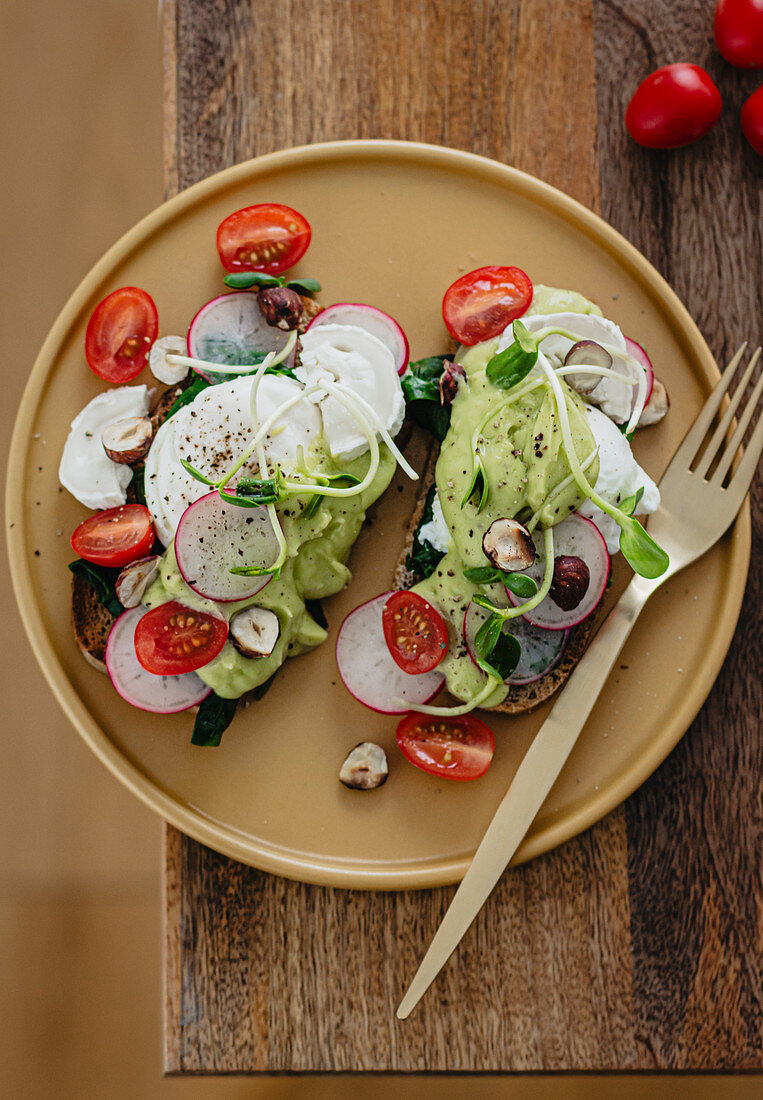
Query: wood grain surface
[{"x": 638, "y": 944}]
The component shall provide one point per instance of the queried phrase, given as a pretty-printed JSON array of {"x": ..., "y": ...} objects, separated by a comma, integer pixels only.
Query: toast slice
[{"x": 521, "y": 698}]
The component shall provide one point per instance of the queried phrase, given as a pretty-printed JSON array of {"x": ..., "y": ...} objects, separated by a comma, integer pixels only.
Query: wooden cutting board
[{"x": 638, "y": 944}]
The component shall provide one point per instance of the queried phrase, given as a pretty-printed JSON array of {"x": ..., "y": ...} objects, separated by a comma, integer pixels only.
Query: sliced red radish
[
  {"x": 574, "y": 537},
  {"x": 542, "y": 650},
  {"x": 214, "y": 536},
  {"x": 367, "y": 668},
  {"x": 373, "y": 320},
  {"x": 158, "y": 694},
  {"x": 232, "y": 331},
  {"x": 641, "y": 356}
]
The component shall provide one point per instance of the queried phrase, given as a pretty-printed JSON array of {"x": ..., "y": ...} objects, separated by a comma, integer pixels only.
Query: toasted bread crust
[{"x": 521, "y": 698}]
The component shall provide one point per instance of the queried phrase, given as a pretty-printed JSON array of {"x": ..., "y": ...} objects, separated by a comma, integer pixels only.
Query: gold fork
[{"x": 695, "y": 511}]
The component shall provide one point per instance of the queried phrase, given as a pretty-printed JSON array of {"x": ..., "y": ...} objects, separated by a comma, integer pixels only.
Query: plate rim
[{"x": 225, "y": 839}]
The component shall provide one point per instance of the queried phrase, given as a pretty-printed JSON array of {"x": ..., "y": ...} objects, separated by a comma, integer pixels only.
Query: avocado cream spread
[
  {"x": 519, "y": 445},
  {"x": 318, "y": 547}
]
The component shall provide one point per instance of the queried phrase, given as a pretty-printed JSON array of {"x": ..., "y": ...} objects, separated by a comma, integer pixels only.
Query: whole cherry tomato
[
  {"x": 738, "y": 29},
  {"x": 674, "y": 106},
  {"x": 752, "y": 120}
]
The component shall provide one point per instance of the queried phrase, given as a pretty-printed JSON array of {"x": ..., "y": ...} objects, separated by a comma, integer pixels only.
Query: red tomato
[
  {"x": 173, "y": 639},
  {"x": 481, "y": 303},
  {"x": 120, "y": 334},
  {"x": 674, "y": 106},
  {"x": 415, "y": 632},
  {"x": 454, "y": 748},
  {"x": 752, "y": 120},
  {"x": 267, "y": 237},
  {"x": 116, "y": 536},
  {"x": 738, "y": 29}
]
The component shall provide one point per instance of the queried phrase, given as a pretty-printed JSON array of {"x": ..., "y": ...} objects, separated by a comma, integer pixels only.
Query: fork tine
[
  {"x": 750, "y": 458},
  {"x": 712, "y": 448},
  {"x": 696, "y": 433}
]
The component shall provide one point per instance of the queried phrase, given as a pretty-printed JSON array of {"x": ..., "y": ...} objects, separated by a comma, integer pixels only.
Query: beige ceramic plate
[{"x": 393, "y": 224}]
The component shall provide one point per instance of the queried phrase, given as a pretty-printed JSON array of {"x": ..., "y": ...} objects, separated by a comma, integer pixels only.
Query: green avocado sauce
[
  {"x": 318, "y": 548},
  {"x": 520, "y": 445}
]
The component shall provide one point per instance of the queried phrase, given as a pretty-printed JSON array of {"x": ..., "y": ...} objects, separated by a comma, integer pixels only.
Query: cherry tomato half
[
  {"x": 116, "y": 536},
  {"x": 738, "y": 29},
  {"x": 120, "y": 334},
  {"x": 172, "y": 639},
  {"x": 482, "y": 303},
  {"x": 455, "y": 748},
  {"x": 674, "y": 106},
  {"x": 267, "y": 237},
  {"x": 415, "y": 632},
  {"x": 752, "y": 120}
]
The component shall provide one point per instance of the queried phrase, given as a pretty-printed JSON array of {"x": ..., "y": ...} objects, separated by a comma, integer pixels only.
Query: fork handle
[{"x": 573, "y": 706}]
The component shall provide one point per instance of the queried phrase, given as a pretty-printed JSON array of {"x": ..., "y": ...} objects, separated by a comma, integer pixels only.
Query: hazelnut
[
  {"x": 128, "y": 441},
  {"x": 570, "y": 583},
  {"x": 254, "y": 631},
  {"x": 508, "y": 545},
  {"x": 135, "y": 578},
  {"x": 656, "y": 407},
  {"x": 281, "y": 307},
  {"x": 449, "y": 382},
  {"x": 365, "y": 767}
]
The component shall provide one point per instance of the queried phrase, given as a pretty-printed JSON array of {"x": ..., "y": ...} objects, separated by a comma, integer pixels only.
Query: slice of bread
[{"x": 524, "y": 697}]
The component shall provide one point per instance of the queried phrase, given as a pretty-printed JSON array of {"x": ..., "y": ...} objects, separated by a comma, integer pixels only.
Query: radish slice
[
  {"x": 577, "y": 537},
  {"x": 379, "y": 324},
  {"x": 158, "y": 694},
  {"x": 212, "y": 536},
  {"x": 232, "y": 331},
  {"x": 641, "y": 356},
  {"x": 542, "y": 650},
  {"x": 366, "y": 666}
]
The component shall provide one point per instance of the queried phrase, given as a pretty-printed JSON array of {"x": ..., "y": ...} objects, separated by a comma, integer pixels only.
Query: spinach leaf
[
  {"x": 421, "y": 388},
  {"x": 424, "y": 558},
  {"x": 138, "y": 484},
  {"x": 496, "y": 651},
  {"x": 188, "y": 395},
  {"x": 214, "y": 716},
  {"x": 102, "y": 581}
]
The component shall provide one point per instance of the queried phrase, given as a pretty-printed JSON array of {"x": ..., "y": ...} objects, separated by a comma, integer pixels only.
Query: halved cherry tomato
[
  {"x": 415, "y": 632},
  {"x": 267, "y": 237},
  {"x": 752, "y": 120},
  {"x": 455, "y": 748},
  {"x": 116, "y": 536},
  {"x": 172, "y": 639},
  {"x": 120, "y": 334},
  {"x": 674, "y": 106},
  {"x": 738, "y": 29},
  {"x": 481, "y": 303}
]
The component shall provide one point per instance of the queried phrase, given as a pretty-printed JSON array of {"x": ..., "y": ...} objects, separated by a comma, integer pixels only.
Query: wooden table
[{"x": 638, "y": 944}]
